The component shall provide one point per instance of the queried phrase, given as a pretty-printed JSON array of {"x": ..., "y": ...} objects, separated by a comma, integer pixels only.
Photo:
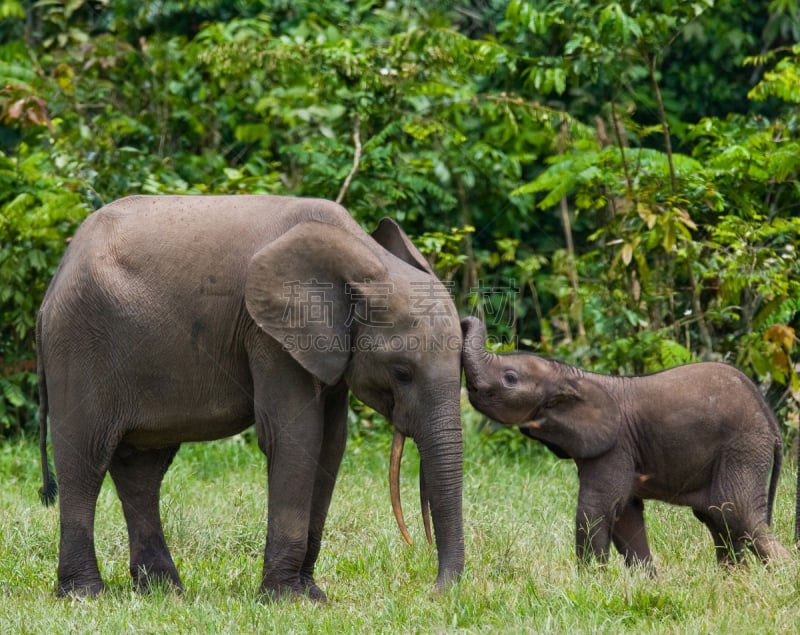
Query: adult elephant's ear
[
  {"x": 391, "y": 237},
  {"x": 581, "y": 418},
  {"x": 299, "y": 290}
]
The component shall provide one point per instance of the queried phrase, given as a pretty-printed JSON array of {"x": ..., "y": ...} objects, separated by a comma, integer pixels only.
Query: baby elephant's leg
[
  {"x": 592, "y": 535},
  {"x": 593, "y": 523},
  {"x": 737, "y": 513},
  {"x": 753, "y": 508},
  {"x": 729, "y": 547},
  {"x": 765, "y": 545},
  {"x": 604, "y": 484},
  {"x": 732, "y": 533},
  {"x": 630, "y": 538}
]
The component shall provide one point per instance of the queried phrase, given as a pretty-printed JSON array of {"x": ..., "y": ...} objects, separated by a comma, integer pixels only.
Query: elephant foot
[
  {"x": 78, "y": 589},
  {"x": 766, "y": 547},
  {"x": 645, "y": 566},
  {"x": 313, "y": 592},
  {"x": 299, "y": 590},
  {"x": 650, "y": 569},
  {"x": 146, "y": 579}
]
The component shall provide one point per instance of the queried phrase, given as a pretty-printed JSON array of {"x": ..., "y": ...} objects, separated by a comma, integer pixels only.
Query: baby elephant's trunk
[{"x": 474, "y": 356}]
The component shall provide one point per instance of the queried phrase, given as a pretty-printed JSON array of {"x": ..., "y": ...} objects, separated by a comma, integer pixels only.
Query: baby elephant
[{"x": 699, "y": 435}]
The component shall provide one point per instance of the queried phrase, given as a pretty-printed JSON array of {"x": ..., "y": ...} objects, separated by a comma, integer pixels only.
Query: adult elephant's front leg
[
  {"x": 293, "y": 451},
  {"x": 333, "y": 445}
]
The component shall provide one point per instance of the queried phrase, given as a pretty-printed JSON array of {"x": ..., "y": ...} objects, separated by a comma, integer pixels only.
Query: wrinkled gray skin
[
  {"x": 699, "y": 435},
  {"x": 175, "y": 319}
]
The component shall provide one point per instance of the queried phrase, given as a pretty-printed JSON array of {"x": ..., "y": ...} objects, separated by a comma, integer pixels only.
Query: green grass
[{"x": 521, "y": 576}]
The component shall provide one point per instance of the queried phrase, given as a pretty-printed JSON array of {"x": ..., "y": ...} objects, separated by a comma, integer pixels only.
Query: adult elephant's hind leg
[
  {"x": 81, "y": 464},
  {"x": 79, "y": 484},
  {"x": 137, "y": 476}
]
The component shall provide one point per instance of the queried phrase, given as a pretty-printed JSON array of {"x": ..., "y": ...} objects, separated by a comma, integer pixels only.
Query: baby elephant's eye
[{"x": 510, "y": 378}]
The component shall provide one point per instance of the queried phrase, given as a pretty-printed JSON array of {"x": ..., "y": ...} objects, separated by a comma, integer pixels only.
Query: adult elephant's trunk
[
  {"x": 441, "y": 465},
  {"x": 474, "y": 356}
]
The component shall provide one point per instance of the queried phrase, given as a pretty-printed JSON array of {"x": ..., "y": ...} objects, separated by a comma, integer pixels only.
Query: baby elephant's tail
[{"x": 49, "y": 489}]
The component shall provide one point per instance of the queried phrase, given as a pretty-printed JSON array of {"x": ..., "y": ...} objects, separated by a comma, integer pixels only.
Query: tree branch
[
  {"x": 356, "y": 158},
  {"x": 662, "y": 115},
  {"x": 567, "y": 227}
]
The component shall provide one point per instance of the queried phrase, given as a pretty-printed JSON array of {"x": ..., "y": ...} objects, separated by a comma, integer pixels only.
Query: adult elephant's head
[{"x": 368, "y": 310}]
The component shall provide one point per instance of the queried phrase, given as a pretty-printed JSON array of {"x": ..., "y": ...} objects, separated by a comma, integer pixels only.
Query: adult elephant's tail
[{"x": 49, "y": 489}]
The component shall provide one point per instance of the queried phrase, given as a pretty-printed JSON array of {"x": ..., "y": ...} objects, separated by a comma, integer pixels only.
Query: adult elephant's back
[{"x": 151, "y": 289}]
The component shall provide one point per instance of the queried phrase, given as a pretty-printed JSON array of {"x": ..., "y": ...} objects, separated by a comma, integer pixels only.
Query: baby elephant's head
[
  {"x": 502, "y": 387},
  {"x": 561, "y": 405}
]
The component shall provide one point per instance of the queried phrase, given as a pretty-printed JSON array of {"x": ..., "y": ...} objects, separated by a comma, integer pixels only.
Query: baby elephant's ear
[{"x": 583, "y": 419}]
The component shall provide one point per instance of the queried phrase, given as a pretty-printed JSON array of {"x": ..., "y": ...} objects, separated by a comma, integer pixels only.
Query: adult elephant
[
  {"x": 187, "y": 318},
  {"x": 699, "y": 435}
]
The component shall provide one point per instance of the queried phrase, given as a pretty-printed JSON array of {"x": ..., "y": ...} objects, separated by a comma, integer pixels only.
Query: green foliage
[
  {"x": 37, "y": 213},
  {"x": 783, "y": 81}
]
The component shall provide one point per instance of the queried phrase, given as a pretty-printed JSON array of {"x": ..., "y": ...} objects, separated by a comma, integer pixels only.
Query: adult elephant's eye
[
  {"x": 402, "y": 374},
  {"x": 510, "y": 378}
]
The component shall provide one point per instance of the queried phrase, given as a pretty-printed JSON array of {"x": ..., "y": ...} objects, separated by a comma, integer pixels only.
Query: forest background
[{"x": 611, "y": 183}]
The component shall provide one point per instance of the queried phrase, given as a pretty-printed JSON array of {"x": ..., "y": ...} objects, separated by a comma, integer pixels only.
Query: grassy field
[{"x": 520, "y": 578}]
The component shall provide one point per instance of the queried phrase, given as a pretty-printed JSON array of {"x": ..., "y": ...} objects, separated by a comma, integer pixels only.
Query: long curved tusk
[
  {"x": 425, "y": 503},
  {"x": 394, "y": 483}
]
